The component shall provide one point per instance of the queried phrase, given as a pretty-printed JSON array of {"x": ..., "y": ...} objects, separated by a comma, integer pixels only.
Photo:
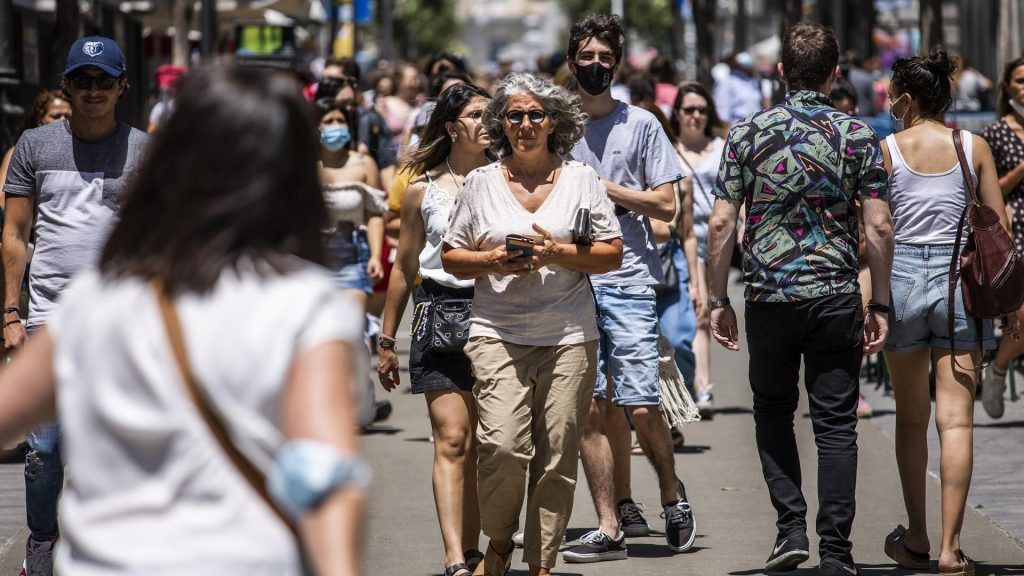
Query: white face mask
[
  {"x": 1018, "y": 108},
  {"x": 897, "y": 123}
]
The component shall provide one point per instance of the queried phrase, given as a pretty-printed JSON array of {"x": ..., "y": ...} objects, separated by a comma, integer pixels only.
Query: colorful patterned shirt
[{"x": 799, "y": 167}]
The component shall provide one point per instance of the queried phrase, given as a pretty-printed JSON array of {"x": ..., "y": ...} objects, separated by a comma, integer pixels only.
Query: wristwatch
[{"x": 715, "y": 304}]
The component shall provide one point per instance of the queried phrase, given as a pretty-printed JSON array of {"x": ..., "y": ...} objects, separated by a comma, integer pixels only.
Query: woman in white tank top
[
  {"x": 927, "y": 197},
  {"x": 454, "y": 142}
]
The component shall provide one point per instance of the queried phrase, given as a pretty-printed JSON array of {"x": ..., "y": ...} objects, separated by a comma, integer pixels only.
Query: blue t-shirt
[{"x": 630, "y": 148}]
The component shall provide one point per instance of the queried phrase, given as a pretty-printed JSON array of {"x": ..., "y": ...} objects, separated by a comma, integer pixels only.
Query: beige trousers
[{"x": 532, "y": 403}]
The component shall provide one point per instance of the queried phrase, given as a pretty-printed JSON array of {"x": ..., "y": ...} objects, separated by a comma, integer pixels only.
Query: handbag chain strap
[{"x": 252, "y": 474}]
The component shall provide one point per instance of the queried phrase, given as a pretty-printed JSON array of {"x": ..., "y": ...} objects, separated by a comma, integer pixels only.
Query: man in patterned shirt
[{"x": 801, "y": 168}]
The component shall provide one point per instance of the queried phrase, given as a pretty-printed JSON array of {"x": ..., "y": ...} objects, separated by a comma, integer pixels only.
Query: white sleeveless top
[
  {"x": 435, "y": 208},
  {"x": 926, "y": 208},
  {"x": 350, "y": 201},
  {"x": 704, "y": 175}
]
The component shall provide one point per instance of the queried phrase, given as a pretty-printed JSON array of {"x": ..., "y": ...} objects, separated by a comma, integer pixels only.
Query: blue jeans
[
  {"x": 628, "y": 347},
  {"x": 678, "y": 319},
  {"x": 44, "y": 479}
]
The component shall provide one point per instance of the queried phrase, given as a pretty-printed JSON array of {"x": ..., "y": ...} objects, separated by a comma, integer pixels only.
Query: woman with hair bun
[{"x": 927, "y": 196}]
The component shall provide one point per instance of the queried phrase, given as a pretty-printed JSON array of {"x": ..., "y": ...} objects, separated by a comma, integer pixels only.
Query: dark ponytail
[{"x": 928, "y": 79}]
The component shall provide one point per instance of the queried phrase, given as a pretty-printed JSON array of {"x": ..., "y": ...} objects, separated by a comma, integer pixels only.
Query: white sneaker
[
  {"x": 706, "y": 403},
  {"x": 38, "y": 558},
  {"x": 992, "y": 393}
]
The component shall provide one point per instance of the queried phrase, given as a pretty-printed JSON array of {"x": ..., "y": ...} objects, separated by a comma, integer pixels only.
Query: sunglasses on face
[
  {"x": 85, "y": 81},
  {"x": 515, "y": 117},
  {"x": 691, "y": 110}
]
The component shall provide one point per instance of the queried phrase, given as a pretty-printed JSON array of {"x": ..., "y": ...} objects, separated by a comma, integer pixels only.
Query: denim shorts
[
  {"x": 348, "y": 258},
  {"x": 918, "y": 315},
  {"x": 628, "y": 321}
]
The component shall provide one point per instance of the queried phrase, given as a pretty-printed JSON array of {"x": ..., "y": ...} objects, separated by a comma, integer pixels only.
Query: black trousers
[{"x": 827, "y": 333}]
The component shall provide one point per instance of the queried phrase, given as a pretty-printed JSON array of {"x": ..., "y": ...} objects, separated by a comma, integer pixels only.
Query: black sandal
[
  {"x": 473, "y": 557},
  {"x": 456, "y": 569}
]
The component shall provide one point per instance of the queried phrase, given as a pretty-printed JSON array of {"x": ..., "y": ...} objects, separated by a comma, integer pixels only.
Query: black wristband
[
  {"x": 876, "y": 307},
  {"x": 9, "y": 322},
  {"x": 715, "y": 304},
  {"x": 10, "y": 309}
]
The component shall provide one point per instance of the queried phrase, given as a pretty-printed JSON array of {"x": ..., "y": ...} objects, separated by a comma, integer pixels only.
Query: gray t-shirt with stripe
[{"x": 77, "y": 187}]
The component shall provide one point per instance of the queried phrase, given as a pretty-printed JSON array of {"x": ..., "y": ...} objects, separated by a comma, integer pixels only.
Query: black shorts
[{"x": 434, "y": 371}]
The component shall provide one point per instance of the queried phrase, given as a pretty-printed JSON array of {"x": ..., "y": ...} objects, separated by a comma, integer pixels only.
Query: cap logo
[{"x": 93, "y": 49}]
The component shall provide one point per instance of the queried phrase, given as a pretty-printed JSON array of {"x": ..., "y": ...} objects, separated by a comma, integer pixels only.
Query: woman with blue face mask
[{"x": 356, "y": 205}]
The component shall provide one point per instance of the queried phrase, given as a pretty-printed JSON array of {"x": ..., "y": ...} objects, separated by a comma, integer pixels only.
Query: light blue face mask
[
  {"x": 898, "y": 123},
  {"x": 335, "y": 138}
]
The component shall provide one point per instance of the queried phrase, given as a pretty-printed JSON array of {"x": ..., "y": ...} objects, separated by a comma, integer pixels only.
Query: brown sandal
[
  {"x": 501, "y": 562},
  {"x": 966, "y": 567},
  {"x": 896, "y": 548}
]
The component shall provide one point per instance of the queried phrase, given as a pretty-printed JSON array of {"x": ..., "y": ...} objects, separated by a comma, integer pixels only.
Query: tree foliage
[{"x": 423, "y": 27}]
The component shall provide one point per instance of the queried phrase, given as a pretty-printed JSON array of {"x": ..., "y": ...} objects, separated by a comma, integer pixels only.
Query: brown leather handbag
[{"x": 991, "y": 272}]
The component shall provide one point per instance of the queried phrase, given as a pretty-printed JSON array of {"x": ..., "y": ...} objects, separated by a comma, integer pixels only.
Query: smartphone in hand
[{"x": 519, "y": 243}]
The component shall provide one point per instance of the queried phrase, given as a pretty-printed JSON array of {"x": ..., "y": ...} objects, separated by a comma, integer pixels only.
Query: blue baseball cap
[{"x": 97, "y": 51}]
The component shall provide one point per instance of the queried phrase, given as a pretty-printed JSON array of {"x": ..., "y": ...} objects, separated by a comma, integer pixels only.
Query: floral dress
[{"x": 1008, "y": 151}]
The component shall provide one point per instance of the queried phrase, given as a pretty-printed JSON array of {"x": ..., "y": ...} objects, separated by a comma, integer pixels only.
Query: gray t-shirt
[
  {"x": 629, "y": 147},
  {"x": 553, "y": 305},
  {"x": 77, "y": 186}
]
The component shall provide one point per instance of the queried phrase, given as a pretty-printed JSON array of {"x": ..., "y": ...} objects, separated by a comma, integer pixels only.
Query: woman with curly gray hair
[{"x": 533, "y": 332}]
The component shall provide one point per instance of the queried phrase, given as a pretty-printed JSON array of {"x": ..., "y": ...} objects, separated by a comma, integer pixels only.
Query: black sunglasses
[
  {"x": 691, "y": 110},
  {"x": 85, "y": 81},
  {"x": 515, "y": 117}
]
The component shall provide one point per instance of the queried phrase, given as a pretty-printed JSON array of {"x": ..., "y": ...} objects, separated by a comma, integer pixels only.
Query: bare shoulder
[
  {"x": 981, "y": 144},
  {"x": 414, "y": 193}
]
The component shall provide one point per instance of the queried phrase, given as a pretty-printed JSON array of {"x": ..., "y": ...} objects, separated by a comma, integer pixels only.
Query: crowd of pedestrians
[{"x": 204, "y": 374}]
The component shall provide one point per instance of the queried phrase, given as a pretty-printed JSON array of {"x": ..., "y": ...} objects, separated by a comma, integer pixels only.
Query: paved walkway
[{"x": 720, "y": 467}]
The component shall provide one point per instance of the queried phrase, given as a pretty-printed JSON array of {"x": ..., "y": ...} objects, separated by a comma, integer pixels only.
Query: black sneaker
[
  {"x": 833, "y": 567},
  {"x": 631, "y": 519},
  {"x": 680, "y": 526},
  {"x": 382, "y": 409},
  {"x": 596, "y": 546},
  {"x": 789, "y": 552}
]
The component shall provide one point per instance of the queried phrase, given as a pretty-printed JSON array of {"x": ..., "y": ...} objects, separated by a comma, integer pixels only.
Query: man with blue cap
[{"x": 64, "y": 184}]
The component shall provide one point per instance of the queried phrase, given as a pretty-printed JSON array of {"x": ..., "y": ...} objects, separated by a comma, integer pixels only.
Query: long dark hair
[
  {"x": 197, "y": 207},
  {"x": 324, "y": 106},
  {"x": 1004, "y": 86},
  {"x": 436, "y": 144},
  {"x": 698, "y": 89}
]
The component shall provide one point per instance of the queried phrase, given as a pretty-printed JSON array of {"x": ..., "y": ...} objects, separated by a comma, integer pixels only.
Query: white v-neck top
[{"x": 553, "y": 305}]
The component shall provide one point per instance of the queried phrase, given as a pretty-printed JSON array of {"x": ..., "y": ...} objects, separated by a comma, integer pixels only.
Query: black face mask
[{"x": 594, "y": 78}]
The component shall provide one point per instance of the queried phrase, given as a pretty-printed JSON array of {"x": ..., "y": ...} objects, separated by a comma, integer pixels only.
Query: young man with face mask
[
  {"x": 630, "y": 151},
  {"x": 64, "y": 184}
]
